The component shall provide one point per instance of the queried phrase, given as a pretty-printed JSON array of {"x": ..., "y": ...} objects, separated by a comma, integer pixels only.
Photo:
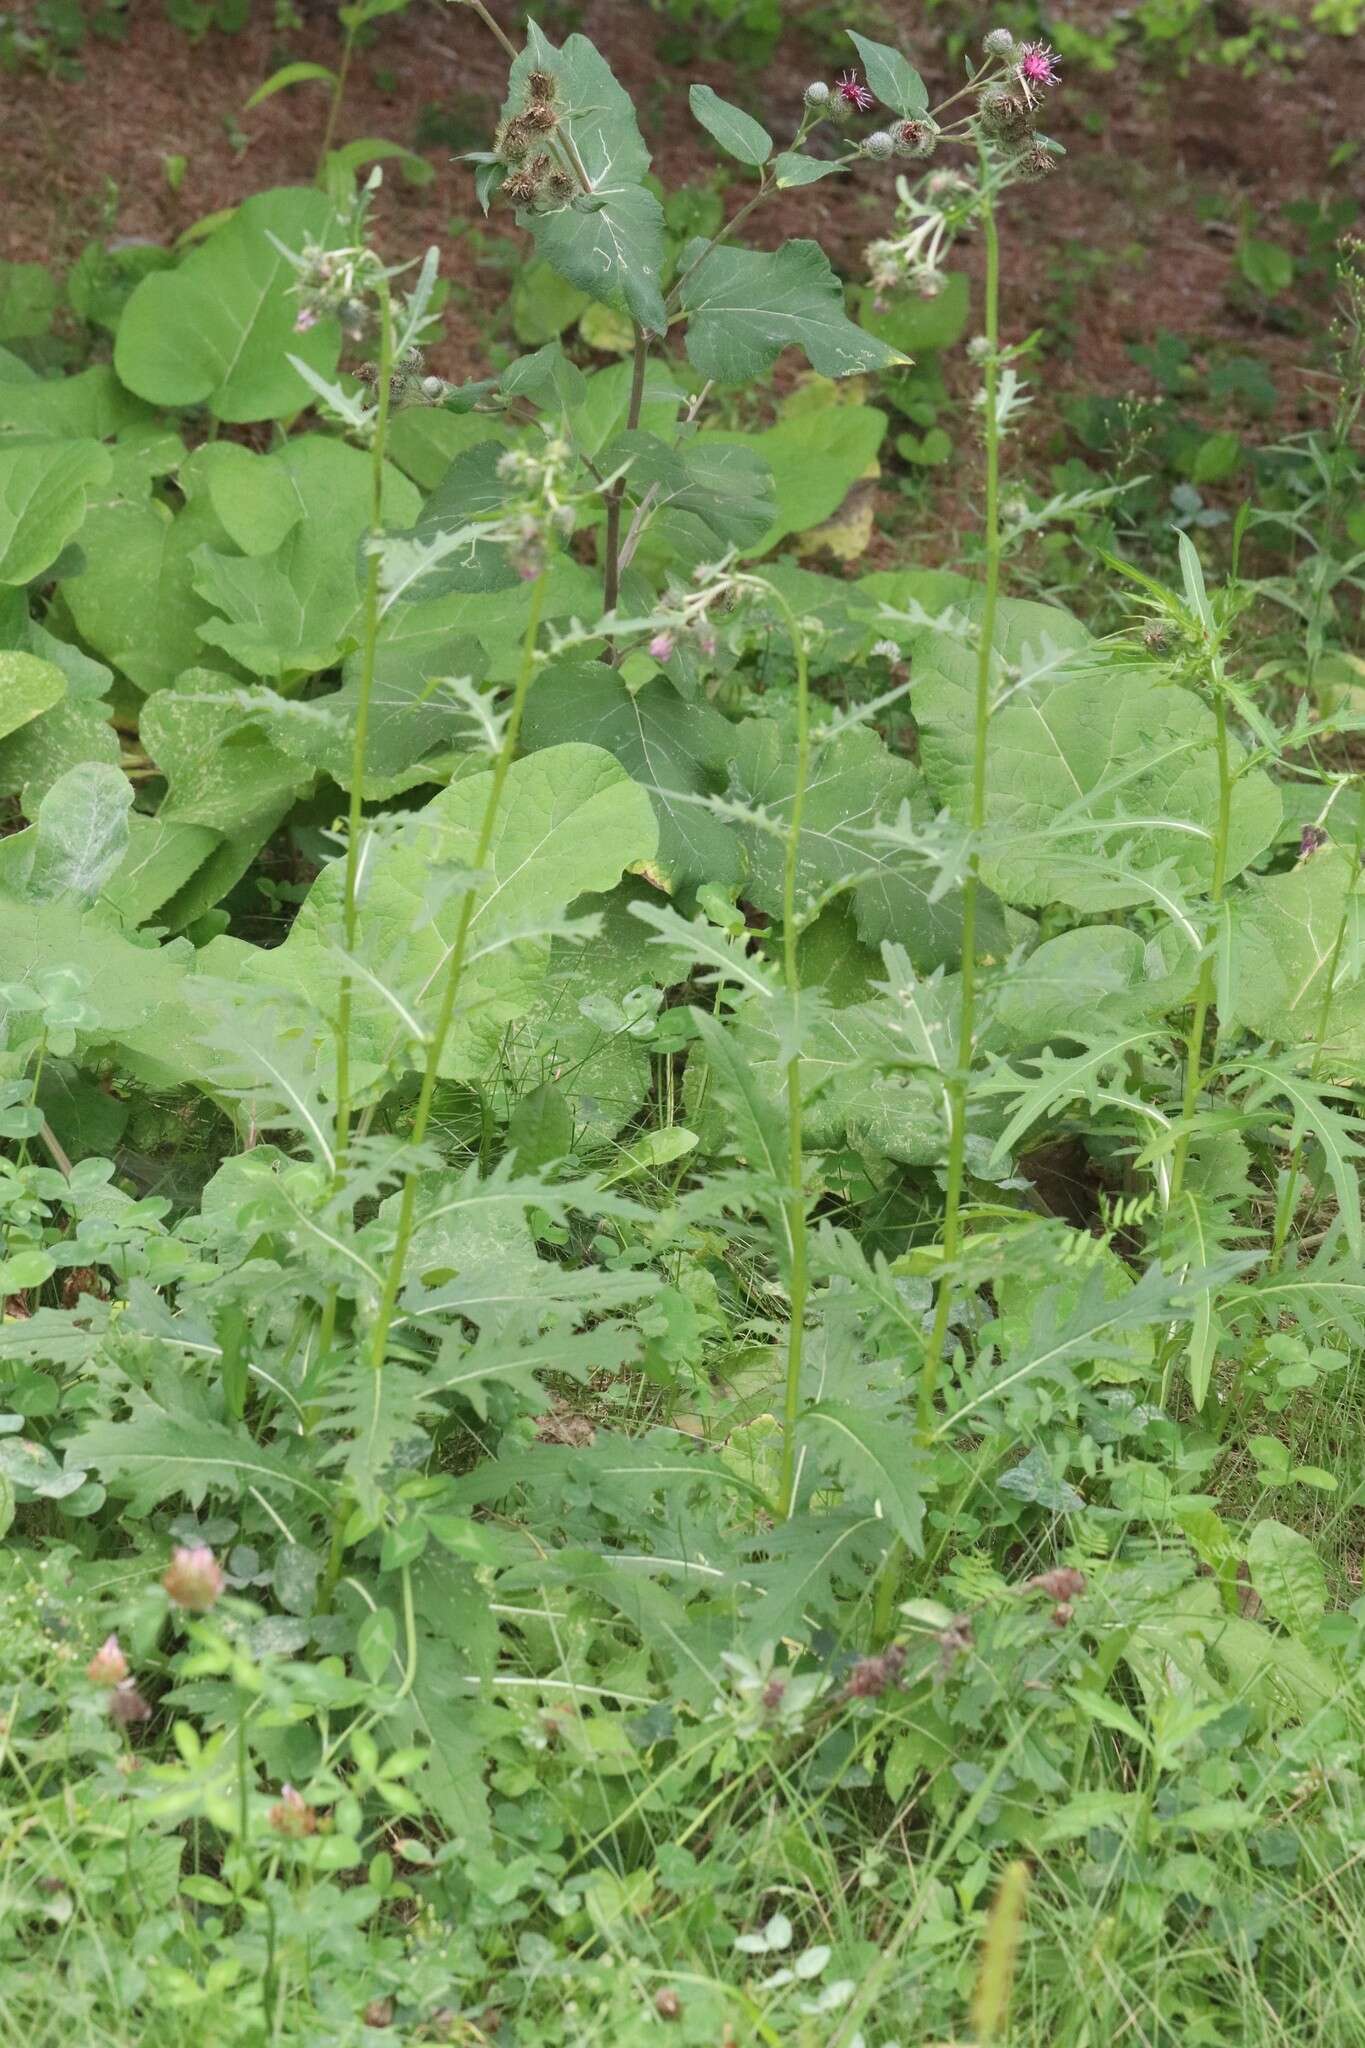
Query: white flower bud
[
  {"x": 817, "y": 93},
  {"x": 881, "y": 144},
  {"x": 999, "y": 43}
]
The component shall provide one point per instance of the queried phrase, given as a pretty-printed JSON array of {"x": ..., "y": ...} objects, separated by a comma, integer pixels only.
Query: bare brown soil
[{"x": 1136, "y": 234}]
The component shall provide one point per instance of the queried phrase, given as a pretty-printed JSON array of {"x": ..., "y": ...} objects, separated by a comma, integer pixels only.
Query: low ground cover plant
[{"x": 682, "y": 1238}]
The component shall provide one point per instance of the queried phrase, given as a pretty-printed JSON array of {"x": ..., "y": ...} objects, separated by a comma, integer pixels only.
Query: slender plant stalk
[
  {"x": 611, "y": 563},
  {"x": 798, "y": 1278},
  {"x": 334, "y": 107},
  {"x": 959, "y": 1081},
  {"x": 454, "y": 974},
  {"x": 1204, "y": 993},
  {"x": 369, "y": 641}
]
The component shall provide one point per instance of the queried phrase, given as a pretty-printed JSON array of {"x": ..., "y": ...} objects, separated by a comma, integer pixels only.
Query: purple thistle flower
[
  {"x": 1311, "y": 839},
  {"x": 1037, "y": 67},
  {"x": 307, "y": 317},
  {"x": 854, "y": 93},
  {"x": 661, "y": 646}
]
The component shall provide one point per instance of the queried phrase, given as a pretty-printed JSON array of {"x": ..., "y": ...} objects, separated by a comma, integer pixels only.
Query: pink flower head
[
  {"x": 307, "y": 317},
  {"x": 854, "y": 93},
  {"x": 292, "y": 1816},
  {"x": 1037, "y": 67},
  {"x": 661, "y": 646},
  {"x": 108, "y": 1666},
  {"x": 195, "y": 1579}
]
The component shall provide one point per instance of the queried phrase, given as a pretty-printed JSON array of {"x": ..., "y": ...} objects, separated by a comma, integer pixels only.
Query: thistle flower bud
[
  {"x": 880, "y": 144},
  {"x": 1004, "y": 113},
  {"x": 108, "y": 1666},
  {"x": 817, "y": 93},
  {"x": 559, "y": 186},
  {"x": 667, "y": 2003},
  {"x": 1311, "y": 840},
  {"x": 194, "y": 1579},
  {"x": 513, "y": 140},
  {"x": 542, "y": 85},
  {"x": 872, "y": 1676},
  {"x": 915, "y": 138},
  {"x": 662, "y": 646},
  {"x": 541, "y": 118},
  {"x": 999, "y": 43}
]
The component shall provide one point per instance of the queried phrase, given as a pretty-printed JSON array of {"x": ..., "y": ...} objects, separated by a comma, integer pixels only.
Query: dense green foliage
[{"x": 681, "y": 1238}]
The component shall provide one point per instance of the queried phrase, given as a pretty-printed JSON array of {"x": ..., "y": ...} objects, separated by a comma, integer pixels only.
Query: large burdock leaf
[
  {"x": 609, "y": 241},
  {"x": 1097, "y": 774},
  {"x": 28, "y": 687},
  {"x": 571, "y": 822},
  {"x": 218, "y": 331},
  {"x": 296, "y": 609},
  {"x": 44, "y": 491},
  {"x": 134, "y": 601},
  {"x": 676, "y": 750},
  {"x": 1297, "y": 959},
  {"x": 747, "y": 305}
]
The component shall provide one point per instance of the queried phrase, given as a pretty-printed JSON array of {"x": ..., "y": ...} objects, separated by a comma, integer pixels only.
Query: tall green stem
[
  {"x": 1204, "y": 993},
  {"x": 611, "y": 565},
  {"x": 794, "y": 1202},
  {"x": 334, "y": 109},
  {"x": 369, "y": 641},
  {"x": 454, "y": 973},
  {"x": 959, "y": 1080}
]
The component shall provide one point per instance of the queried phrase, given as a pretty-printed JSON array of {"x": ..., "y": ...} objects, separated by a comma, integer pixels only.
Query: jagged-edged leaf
[
  {"x": 855, "y": 782},
  {"x": 470, "y": 490},
  {"x": 1324, "y": 1113},
  {"x": 802, "y": 1569},
  {"x": 219, "y": 329},
  {"x": 747, "y": 305},
  {"x": 675, "y": 750},
  {"x": 44, "y": 490},
  {"x": 1288, "y": 1576},
  {"x": 610, "y": 241},
  {"x": 878, "y": 1460},
  {"x": 1298, "y": 959},
  {"x": 1085, "y": 759}
]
